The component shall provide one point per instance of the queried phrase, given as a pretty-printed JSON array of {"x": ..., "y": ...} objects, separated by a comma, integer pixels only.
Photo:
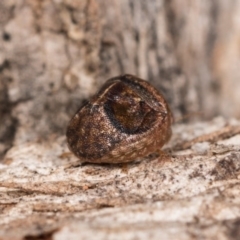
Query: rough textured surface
[
  {"x": 55, "y": 53},
  {"x": 190, "y": 191}
]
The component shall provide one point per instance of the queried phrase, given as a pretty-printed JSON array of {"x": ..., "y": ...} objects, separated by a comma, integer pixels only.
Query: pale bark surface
[
  {"x": 56, "y": 53},
  {"x": 190, "y": 193}
]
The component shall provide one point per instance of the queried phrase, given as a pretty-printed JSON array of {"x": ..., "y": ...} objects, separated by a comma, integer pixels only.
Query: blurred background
[{"x": 56, "y": 53}]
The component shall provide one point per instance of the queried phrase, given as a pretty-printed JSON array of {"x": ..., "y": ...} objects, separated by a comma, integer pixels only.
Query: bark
[
  {"x": 189, "y": 192},
  {"x": 55, "y": 53}
]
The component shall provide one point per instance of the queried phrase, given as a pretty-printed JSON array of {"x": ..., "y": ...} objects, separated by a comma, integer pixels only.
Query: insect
[{"x": 126, "y": 120}]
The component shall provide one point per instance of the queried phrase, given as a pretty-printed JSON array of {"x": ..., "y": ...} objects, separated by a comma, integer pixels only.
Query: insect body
[{"x": 127, "y": 119}]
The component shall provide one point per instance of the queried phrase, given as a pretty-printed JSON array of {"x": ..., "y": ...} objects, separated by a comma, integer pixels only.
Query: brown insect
[{"x": 126, "y": 120}]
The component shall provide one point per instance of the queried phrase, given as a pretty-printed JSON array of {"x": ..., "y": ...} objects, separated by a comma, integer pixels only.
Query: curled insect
[{"x": 126, "y": 120}]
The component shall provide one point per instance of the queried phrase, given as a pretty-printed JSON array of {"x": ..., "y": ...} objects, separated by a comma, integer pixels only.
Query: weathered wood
[
  {"x": 54, "y": 54},
  {"x": 186, "y": 193}
]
